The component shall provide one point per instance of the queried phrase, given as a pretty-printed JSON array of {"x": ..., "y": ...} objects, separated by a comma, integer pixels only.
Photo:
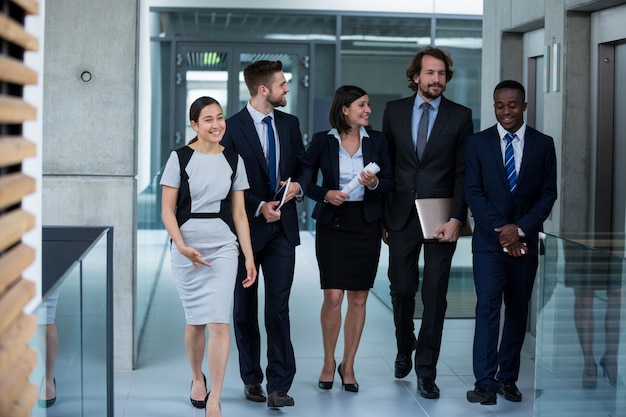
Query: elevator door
[{"x": 619, "y": 143}]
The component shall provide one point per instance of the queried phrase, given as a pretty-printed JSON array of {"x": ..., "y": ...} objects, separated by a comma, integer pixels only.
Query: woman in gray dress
[{"x": 204, "y": 213}]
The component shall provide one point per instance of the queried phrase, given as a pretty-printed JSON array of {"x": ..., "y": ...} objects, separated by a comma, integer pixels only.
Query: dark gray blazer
[{"x": 440, "y": 172}]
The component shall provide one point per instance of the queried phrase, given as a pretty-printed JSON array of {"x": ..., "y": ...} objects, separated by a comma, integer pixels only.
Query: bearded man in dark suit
[
  {"x": 270, "y": 144},
  {"x": 425, "y": 165}
]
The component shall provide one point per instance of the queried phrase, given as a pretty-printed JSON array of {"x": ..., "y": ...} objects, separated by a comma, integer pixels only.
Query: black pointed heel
[
  {"x": 199, "y": 403},
  {"x": 326, "y": 385},
  {"x": 49, "y": 402},
  {"x": 348, "y": 387},
  {"x": 609, "y": 373}
]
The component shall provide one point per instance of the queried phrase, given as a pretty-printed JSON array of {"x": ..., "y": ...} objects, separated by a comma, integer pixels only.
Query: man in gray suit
[{"x": 427, "y": 135}]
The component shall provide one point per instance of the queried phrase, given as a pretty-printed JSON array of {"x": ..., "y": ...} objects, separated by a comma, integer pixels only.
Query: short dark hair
[
  {"x": 260, "y": 73},
  {"x": 511, "y": 84},
  {"x": 196, "y": 108},
  {"x": 415, "y": 66},
  {"x": 344, "y": 96}
]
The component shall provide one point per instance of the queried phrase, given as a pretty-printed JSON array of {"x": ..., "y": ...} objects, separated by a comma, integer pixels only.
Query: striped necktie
[{"x": 509, "y": 163}]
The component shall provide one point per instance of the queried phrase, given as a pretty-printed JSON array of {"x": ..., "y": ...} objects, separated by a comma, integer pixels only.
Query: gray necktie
[{"x": 422, "y": 130}]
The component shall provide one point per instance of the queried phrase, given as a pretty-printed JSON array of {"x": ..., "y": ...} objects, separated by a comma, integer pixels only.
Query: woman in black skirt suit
[{"x": 348, "y": 227}]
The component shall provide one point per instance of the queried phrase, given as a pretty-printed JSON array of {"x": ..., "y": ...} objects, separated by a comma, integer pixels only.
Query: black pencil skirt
[{"x": 348, "y": 249}]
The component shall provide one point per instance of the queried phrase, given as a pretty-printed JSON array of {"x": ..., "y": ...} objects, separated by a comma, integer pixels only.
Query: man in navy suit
[
  {"x": 508, "y": 215},
  {"x": 435, "y": 171},
  {"x": 266, "y": 144}
]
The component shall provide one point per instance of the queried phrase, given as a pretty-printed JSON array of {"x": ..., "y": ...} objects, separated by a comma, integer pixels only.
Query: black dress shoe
[
  {"x": 279, "y": 398},
  {"x": 510, "y": 391},
  {"x": 348, "y": 387},
  {"x": 254, "y": 392},
  {"x": 482, "y": 394},
  {"x": 427, "y": 387},
  {"x": 403, "y": 365},
  {"x": 199, "y": 403}
]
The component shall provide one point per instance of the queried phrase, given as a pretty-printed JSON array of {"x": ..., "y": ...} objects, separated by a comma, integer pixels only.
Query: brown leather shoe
[
  {"x": 279, "y": 398},
  {"x": 254, "y": 392}
]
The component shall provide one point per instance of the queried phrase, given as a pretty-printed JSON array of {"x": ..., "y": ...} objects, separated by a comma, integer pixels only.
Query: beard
[
  {"x": 279, "y": 101},
  {"x": 425, "y": 90}
]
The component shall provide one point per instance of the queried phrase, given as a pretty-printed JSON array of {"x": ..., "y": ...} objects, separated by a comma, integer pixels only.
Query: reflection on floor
[
  {"x": 461, "y": 294},
  {"x": 160, "y": 384}
]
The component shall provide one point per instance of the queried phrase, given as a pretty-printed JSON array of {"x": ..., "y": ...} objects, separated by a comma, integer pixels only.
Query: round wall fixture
[{"x": 86, "y": 76}]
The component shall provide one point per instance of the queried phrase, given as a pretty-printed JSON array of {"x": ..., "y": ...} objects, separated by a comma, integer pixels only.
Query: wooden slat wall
[{"x": 17, "y": 360}]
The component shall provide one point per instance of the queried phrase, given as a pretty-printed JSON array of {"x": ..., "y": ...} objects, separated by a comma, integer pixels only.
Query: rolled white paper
[{"x": 372, "y": 167}]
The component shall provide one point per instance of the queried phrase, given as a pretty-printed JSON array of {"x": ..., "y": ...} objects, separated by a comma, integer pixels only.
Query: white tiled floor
[{"x": 160, "y": 384}]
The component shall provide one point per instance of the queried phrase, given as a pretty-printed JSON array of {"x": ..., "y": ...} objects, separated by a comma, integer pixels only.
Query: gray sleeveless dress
[{"x": 206, "y": 293}]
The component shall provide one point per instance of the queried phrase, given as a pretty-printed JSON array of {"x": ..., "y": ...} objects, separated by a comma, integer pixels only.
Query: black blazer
[
  {"x": 487, "y": 190},
  {"x": 241, "y": 136},
  {"x": 440, "y": 172},
  {"x": 323, "y": 155}
]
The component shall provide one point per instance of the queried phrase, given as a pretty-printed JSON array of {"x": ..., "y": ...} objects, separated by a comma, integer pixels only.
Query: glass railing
[
  {"x": 74, "y": 339},
  {"x": 580, "y": 362},
  {"x": 152, "y": 242}
]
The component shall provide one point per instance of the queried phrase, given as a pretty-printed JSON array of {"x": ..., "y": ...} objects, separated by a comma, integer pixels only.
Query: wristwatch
[{"x": 521, "y": 233}]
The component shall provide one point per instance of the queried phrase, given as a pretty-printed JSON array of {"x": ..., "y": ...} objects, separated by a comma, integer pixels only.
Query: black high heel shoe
[
  {"x": 608, "y": 372},
  {"x": 348, "y": 387},
  {"x": 49, "y": 402},
  {"x": 326, "y": 385},
  {"x": 199, "y": 403}
]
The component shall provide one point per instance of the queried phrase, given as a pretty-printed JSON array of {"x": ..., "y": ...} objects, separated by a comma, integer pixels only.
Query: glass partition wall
[
  {"x": 74, "y": 340},
  {"x": 580, "y": 362}
]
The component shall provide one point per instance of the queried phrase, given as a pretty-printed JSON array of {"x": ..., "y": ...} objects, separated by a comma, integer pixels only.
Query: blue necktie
[
  {"x": 509, "y": 162},
  {"x": 271, "y": 153},
  {"x": 422, "y": 130}
]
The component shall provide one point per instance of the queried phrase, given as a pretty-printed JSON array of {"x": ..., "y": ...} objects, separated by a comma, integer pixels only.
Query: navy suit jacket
[
  {"x": 487, "y": 190},
  {"x": 242, "y": 137},
  {"x": 323, "y": 155},
  {"x": 439, "y": 173}
]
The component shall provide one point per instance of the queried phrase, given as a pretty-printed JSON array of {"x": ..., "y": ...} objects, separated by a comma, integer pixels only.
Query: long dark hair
[
  {"x": 344, "y": 96},
  {"x": 196, "y": 108}
]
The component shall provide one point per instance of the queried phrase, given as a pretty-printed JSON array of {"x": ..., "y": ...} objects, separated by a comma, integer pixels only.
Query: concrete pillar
[{"x": 89, "y": 136}]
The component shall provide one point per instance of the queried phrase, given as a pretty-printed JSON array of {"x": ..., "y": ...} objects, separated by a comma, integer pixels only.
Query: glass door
[{"x": 217, "y": 71}]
